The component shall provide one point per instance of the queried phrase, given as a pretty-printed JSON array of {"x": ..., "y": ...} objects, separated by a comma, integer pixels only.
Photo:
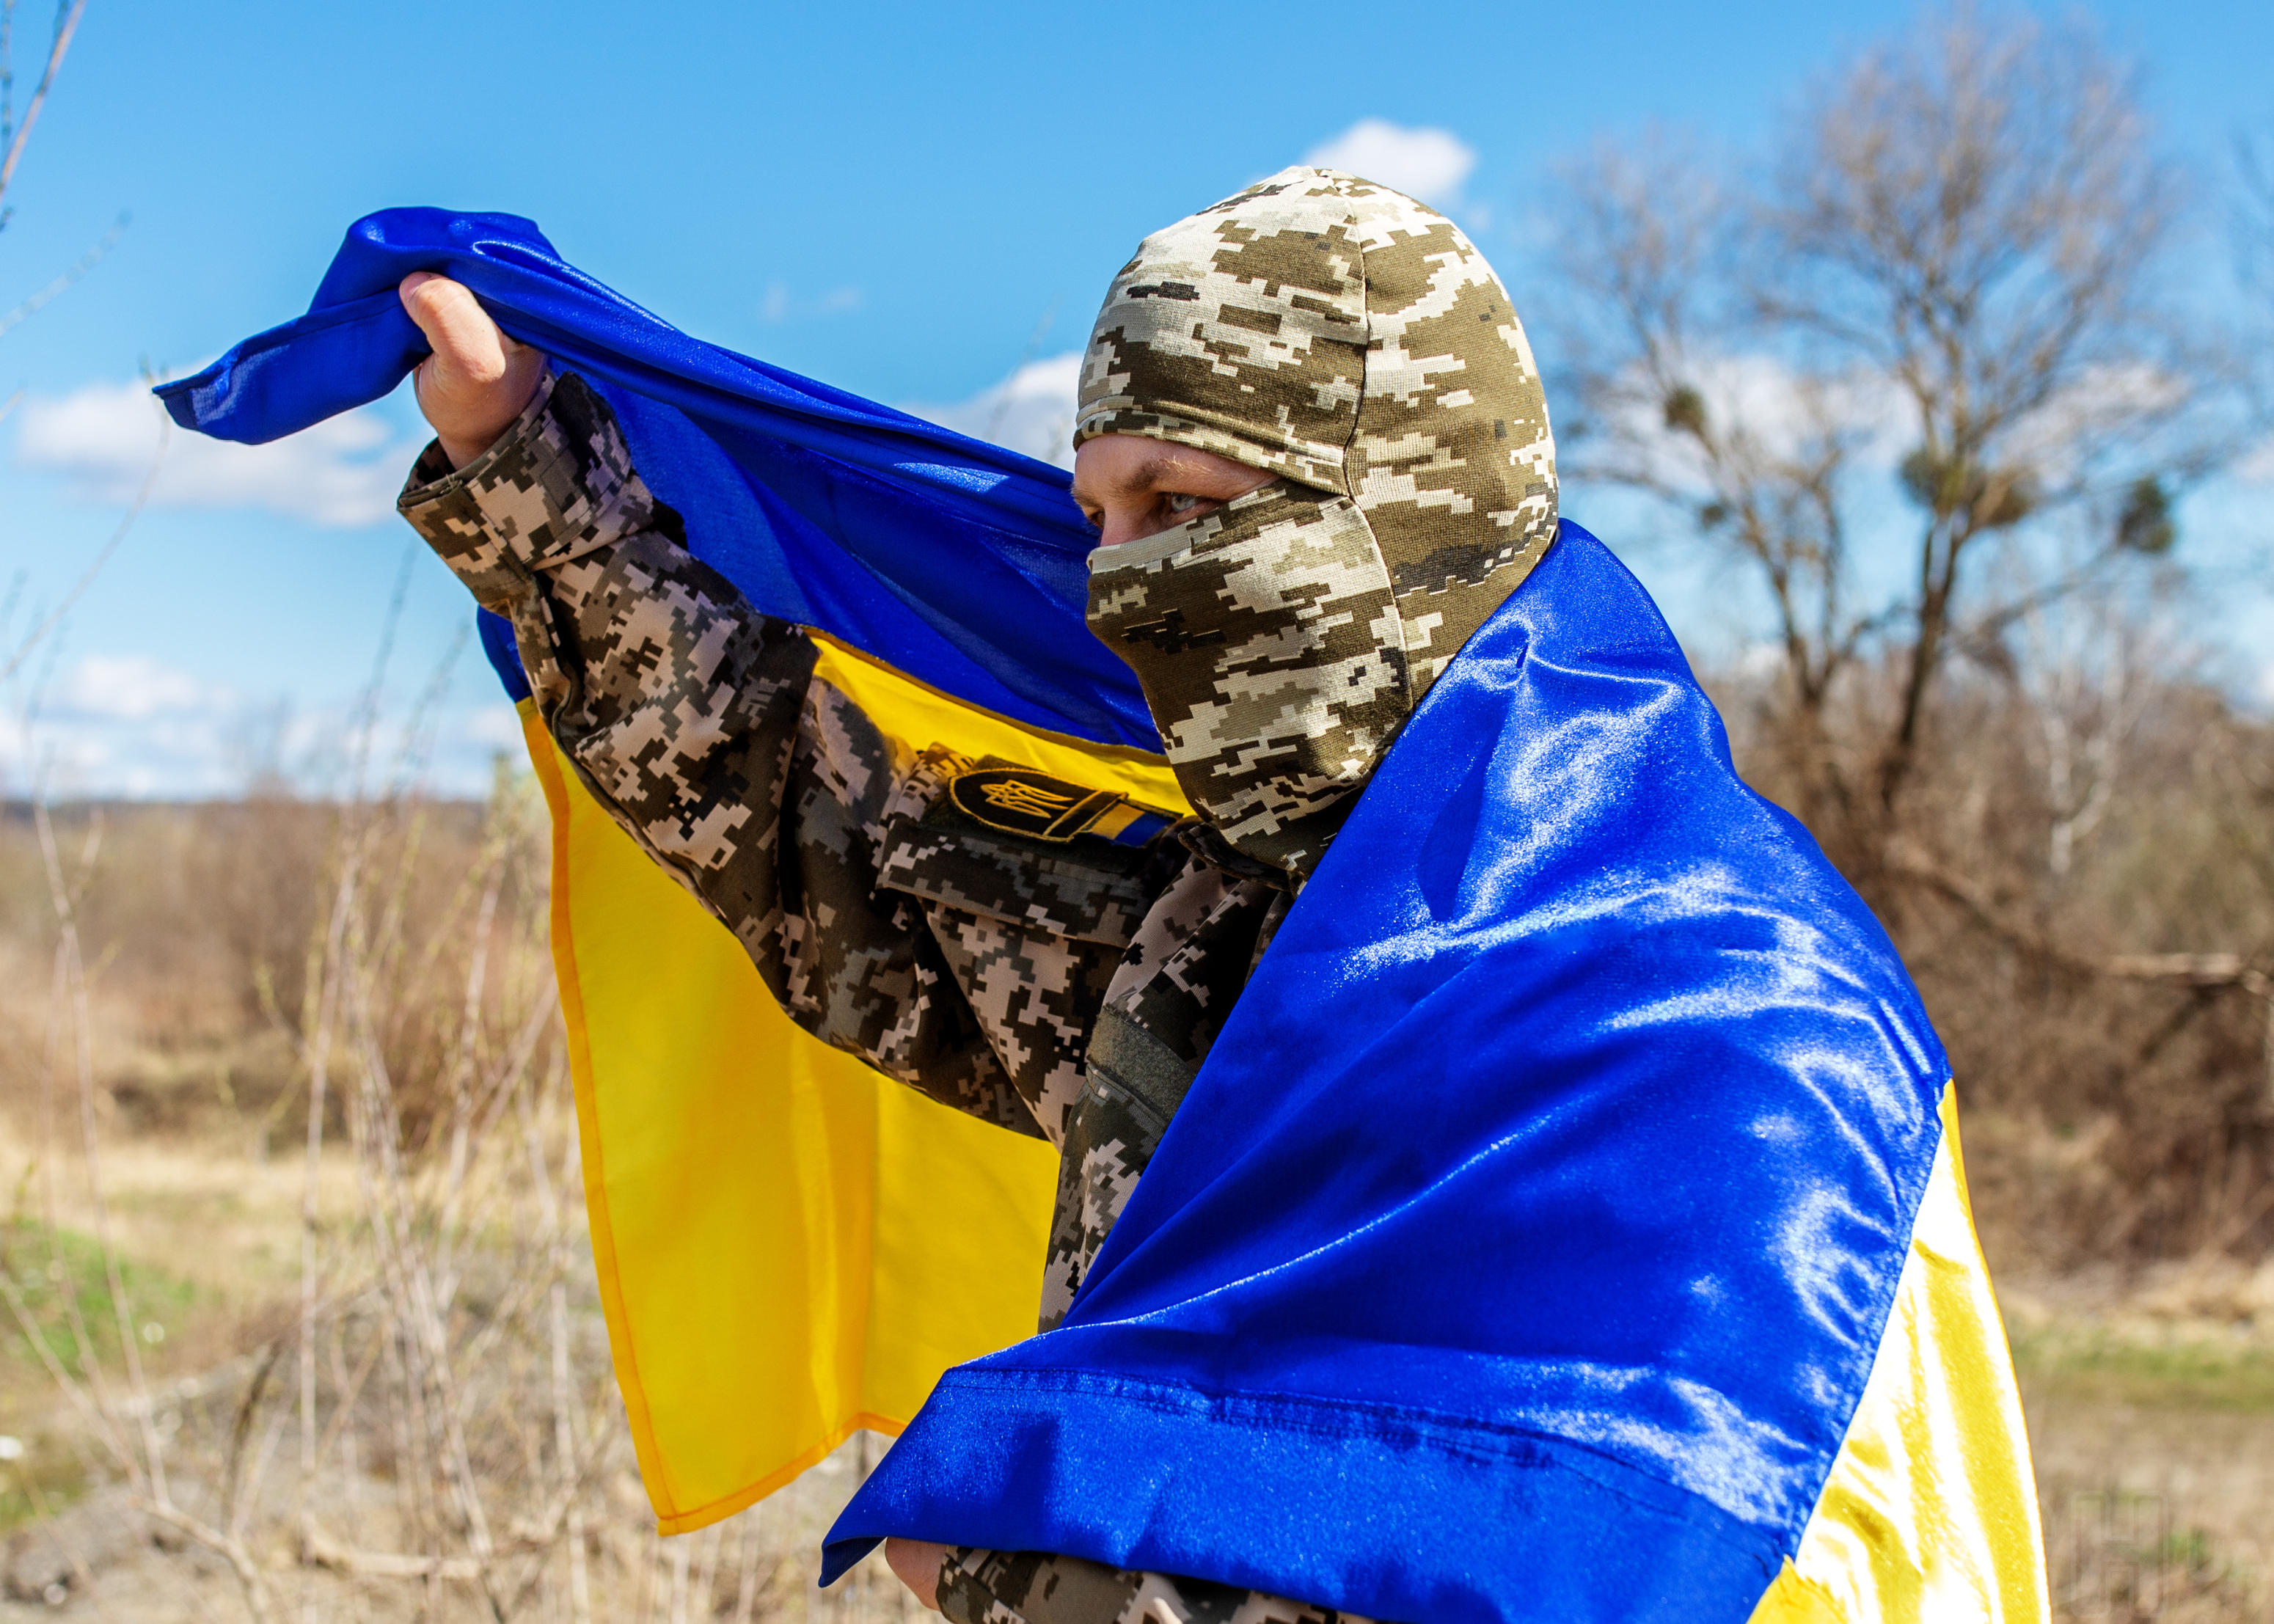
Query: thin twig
[
  {"x": 234, "y": 1551},
  {"x": 564, "y": 1431},
  {"x": 39, "y": 634},
  {"x": 121, "y": 1308},
  {"x": 248, "y": 1410},
  {"x": 89, "y": 1413},
  {"x": 79, "y": 267},
  {"x": 343, "y": 1407},
  {"x": 66, "y": 24},
  {"x": 58, "y": 1266}
]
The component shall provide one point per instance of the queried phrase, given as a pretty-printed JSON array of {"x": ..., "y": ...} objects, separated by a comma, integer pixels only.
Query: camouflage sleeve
[{"x": 695, "y": 720}]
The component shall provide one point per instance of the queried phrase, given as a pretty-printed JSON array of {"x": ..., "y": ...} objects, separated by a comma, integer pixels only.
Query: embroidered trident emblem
[
  {"x": 1020, "y": 800},
  {"x": 1015, "y": 795}
]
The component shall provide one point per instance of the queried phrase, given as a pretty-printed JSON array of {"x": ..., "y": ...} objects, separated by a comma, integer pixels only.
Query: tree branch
[{"x": 66, "y": 24}]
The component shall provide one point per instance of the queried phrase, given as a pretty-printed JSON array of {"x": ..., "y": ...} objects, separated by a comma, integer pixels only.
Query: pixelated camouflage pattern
[
  {"x": 1089, "y": 890},
  {"x": 1193, "y": 955},
  {"x": 1032, "y": 932},
  {"x": 974, "y": 964},
  {"x": 1029, "y": 1587},
  {"x": 1350, "y": 340},
  {"x": 1337, "y": 333},
  {"x": 1265, "y": 633},
  {"x": 1167, "y": 1001},
  {"x": 698, "y": 725}
]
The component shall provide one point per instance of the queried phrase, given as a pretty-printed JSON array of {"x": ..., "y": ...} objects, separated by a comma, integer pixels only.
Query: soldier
[{"x": 1316, "y": 447}]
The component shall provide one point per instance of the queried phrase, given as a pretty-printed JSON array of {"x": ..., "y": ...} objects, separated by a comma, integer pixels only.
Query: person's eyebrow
[{"x": 1140, "y": 478}]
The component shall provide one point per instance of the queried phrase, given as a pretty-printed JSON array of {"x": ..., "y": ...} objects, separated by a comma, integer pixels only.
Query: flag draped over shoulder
[{"x": 1567, "y": 1224}]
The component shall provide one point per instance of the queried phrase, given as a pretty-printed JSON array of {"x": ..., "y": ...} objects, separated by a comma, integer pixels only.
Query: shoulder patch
[{"x": 1021, "y": 800}]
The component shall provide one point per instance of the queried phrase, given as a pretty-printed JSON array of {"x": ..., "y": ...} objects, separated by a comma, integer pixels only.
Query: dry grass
[
  {"x": 295, "y": 1289},
  {"x": 373, "y": 1378},
  {"x": 2151, "y": 1400}
]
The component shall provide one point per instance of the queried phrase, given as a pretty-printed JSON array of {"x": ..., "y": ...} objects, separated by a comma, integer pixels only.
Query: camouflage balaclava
[{"x": 1355, "y": 344}]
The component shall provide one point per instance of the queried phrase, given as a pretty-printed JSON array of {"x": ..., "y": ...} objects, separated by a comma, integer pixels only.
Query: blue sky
[{"x": 905, "y": 200}]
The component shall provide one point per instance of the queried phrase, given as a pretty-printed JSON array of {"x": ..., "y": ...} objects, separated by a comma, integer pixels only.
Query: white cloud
[
  {"x": 130, "y": 688},
  {"x": 133, "y": 726},
  {"x": 780, "y": 304},
  {"x": 1432, "y": 165},
  {"x": 1758, "y": 661},
  {"x": 345, "y": 471},
  {"x": 491, "y": 727},
  {"x": 1761, "y": 409},
  {"x": 122, "y": 725},
  {"x": 2256, "y": 465},
  {"x": 1031, "y": 410}
]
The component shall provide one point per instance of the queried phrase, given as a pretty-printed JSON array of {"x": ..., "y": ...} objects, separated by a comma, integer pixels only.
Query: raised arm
[{"x": 691, "y": 718}]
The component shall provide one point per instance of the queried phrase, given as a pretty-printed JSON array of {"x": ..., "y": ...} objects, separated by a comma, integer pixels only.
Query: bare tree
[
  {"x": 1943, "y": 296},
  {"x": 2092, "y": 661}
]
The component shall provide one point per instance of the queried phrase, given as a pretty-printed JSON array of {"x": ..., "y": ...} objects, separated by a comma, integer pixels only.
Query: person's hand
[
  {"x": 477, "y": 381},
  {"x": 916, "y": 1562}
]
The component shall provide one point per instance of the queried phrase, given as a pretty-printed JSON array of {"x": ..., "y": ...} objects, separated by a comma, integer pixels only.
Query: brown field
[{"x": 452, "y": 1447}]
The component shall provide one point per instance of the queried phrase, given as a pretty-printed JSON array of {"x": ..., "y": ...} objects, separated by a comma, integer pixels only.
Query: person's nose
[
  {"x": 1119, "y": 527},
  {"x": 1132, "y": 523}
]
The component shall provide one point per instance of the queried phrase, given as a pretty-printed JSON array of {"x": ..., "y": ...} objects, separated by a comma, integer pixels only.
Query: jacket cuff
[{"x": 557, "y": 484}]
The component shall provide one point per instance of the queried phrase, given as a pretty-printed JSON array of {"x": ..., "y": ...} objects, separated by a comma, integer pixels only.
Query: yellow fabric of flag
[
  {"x": 790, "y": 1245},
  {"x": 1930, "y": 1512}
]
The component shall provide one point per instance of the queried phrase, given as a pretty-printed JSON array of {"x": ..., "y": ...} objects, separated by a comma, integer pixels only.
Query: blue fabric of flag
[
  {"x": 959, "y": 562},
  {"x": 1522, "y": 1247}
]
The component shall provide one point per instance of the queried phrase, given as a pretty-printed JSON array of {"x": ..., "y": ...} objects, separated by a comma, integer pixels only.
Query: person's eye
[{"x": 1182, "y": 506}]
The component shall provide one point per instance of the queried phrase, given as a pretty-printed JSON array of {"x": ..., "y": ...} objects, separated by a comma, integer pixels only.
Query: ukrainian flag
[
  {"x": 1568, "y": 1223},
  {"x": 790, "y": 1245}
]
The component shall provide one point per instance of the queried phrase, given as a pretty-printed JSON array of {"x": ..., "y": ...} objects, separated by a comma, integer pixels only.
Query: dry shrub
[
  {"x": 2115, "y": 1557},
  {"x": 201, "y": 922},
  {"x": 2102, "y": 995},
  {"x": 420, "y": 1420}
]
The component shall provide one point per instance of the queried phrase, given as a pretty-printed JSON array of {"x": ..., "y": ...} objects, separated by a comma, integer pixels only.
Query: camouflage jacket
[{"x": 1066, "y": 989}]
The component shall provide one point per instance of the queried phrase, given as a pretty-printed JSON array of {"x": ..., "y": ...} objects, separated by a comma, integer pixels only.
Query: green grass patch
[
  {"x": 2184, "y": 1373},
  {"x": 52, "y": 1270},
  {"x": 42, "y": 1479}
]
